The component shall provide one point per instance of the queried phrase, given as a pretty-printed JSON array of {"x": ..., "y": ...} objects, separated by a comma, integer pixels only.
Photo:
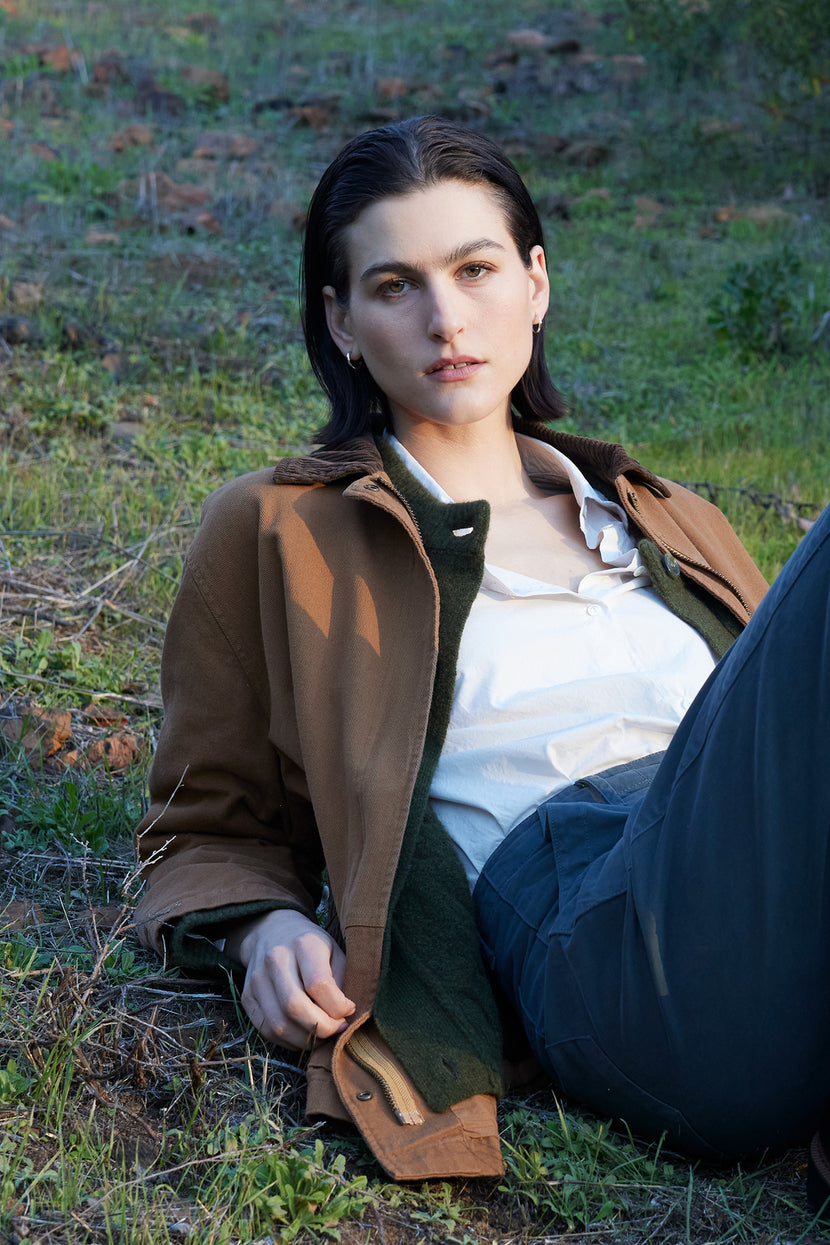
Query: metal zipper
[
  {"x": 701, "y": 566},
  {"x": 710, "y": 570},
  {"x": 365, "y": 1051},
  {"x": 391, "y": 488}
]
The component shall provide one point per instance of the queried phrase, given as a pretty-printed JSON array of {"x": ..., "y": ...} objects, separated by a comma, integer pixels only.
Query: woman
[{"x": 449, "y": 650}]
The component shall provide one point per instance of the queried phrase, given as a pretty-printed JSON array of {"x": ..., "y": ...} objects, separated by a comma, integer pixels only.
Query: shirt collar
[{"x": 604, "y": 523}]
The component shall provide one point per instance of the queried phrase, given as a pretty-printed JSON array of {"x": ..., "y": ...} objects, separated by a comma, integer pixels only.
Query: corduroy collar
[{"x": 603, "y": 461}]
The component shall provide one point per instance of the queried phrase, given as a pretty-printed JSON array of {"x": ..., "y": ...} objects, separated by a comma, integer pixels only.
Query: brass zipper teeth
[
  {"x": 391, "y": 488},
  {"x": 398, "y": 1094},
  {"x": 701, "y": 566}
]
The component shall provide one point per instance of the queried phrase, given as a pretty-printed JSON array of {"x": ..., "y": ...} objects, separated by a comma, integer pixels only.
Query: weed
[
  {"x": 295, "y": 1189},
  {"x": 759, "y": 307},
  {"x": 13, "y": 1084},
  {"x": 574, "y": 1172},
  {"x": 80, "y": 812}
]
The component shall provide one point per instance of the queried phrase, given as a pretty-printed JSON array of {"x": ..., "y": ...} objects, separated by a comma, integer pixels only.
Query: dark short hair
[{"x": 395, "y": 160}]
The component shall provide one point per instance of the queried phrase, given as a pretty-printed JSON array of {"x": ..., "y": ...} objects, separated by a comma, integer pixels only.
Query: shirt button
[
  {"x": 671, "y": 564},
  {"x": 592, "y": 610}
]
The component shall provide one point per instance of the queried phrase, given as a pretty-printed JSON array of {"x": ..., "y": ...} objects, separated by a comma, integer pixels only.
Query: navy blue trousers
[{"x": 663, "y": 930}]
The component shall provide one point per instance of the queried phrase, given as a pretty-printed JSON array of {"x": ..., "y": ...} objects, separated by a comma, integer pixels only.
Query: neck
[{"x": 473, "y": 462}]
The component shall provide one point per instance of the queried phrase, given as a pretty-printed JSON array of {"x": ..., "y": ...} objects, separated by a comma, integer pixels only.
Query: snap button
[
  {"x": 364, "y": 1095},
  {"x": 372, "y": 488},
  {"x": 671, "y": 564}
]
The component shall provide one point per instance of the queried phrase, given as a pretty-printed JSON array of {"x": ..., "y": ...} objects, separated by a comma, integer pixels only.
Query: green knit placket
[{"x": 434, "y": 1004}]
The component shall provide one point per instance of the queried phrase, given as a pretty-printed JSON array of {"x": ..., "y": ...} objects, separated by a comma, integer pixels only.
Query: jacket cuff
[{"x": 189, "y": 940}]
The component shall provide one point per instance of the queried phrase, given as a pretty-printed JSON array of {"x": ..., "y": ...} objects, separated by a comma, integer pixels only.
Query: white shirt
[{"x": 554, "y": 684}]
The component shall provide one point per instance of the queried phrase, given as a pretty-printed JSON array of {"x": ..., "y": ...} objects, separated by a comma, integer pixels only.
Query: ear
[
  {"x": 339, "y": 323},
  {"x": 539, "y": 282}
]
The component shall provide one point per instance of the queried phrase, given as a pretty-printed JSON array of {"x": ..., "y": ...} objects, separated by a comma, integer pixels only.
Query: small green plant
[
  {"x": 13, "y": 1084},
  {"x": 63, "y": 183},
  {"x": 758, "y": 308},
  {"x": 80, "y": 812},
  {"x": 573, "y": 1172},
  {"x": 293, "y": 1189}
]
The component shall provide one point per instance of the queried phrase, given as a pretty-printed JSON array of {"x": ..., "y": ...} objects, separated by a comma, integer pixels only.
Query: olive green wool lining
[{"x": 434, "y": 1004}]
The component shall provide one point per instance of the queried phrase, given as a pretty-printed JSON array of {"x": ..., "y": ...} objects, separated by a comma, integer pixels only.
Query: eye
[
  {"x": 394, "y": 286},
  {"x": 475, "y": 271}
]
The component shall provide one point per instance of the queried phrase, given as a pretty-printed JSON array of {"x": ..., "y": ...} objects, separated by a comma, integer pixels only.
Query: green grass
[{"x": 134, "y": 1106}]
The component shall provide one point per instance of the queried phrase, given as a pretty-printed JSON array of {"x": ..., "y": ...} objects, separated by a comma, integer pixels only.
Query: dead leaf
[
  {"x": 216, "y": 85},
  {"x": 95, "y": 237},
  {"x": 204, "y": 221},
  {"x": 117, "y": 752},
  {"x": 157, "y": 191},
  {"x": 392, "y": 88},
  {"x": 6, "y": 127},
  {"x": 112, "y": 362},
  {"x": 135, "y": 135},
  {"x": 41, "y": 732},
  {"x": 109, "y": 68},
  {"x": 757, "y": 214},
  {"x": 104, "y": 918},
  {"x": 61, "y": 59},
  {"x": 26, "y": 912},
  {"x": 214, "y": 143},
  {"x": 313, "y": 115},
  {"x": 529, "y": 40},
  {"x": 26, "y": 293},
  {"x": 42, "y": 151},
  {"x": 477, "y": 100},
  {"x": 19, "y": 331},
  {"x": 290, "y": 211},
  {"x": 647, "y": 211},
  {"x": 150, "y": 97},
  {"x": 104, "y": 715},
  {"x": 7, "y": 224},
  {"x": 10, "y": 7},
  {"x": 588, "y": 56},
  {"x": 768, "y": 214},
  {"x": 586, "y": 154}
]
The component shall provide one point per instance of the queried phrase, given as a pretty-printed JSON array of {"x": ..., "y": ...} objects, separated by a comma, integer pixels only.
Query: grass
[{"x": 149, "y": 350}]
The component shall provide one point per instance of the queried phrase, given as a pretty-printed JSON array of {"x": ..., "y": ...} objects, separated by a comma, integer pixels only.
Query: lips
[{"x": 455, "y": 364}]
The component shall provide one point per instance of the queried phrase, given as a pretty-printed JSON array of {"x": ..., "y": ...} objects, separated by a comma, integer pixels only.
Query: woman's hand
[{"x": 294, "y": 977}]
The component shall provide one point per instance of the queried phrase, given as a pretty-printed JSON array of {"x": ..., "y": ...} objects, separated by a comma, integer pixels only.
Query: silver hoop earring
[
  {"x": 537, "y": 327},
  {"x": 354, "y": 366}
]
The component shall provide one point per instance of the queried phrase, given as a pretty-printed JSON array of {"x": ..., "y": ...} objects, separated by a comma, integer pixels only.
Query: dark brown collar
[{"x": 601, "y": 460}]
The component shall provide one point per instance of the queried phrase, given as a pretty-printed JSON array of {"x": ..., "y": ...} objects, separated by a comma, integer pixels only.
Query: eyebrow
[{"x": 452, "y": 257}]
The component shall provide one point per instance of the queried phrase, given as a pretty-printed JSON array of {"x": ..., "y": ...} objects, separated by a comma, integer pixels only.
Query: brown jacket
[{"x": 297, "y": 678}]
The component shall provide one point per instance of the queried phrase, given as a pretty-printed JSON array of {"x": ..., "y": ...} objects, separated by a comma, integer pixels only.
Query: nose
[{"x": 445, "y": 316}]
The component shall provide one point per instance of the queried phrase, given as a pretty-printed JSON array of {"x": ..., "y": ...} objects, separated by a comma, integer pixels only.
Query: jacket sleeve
[{"x": 229, "y": 821}]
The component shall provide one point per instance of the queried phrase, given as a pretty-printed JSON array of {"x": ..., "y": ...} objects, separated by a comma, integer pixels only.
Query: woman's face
[{"x": 441, "y": 306}]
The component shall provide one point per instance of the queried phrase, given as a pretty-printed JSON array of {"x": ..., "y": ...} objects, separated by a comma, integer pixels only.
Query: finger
[
  {"x": 318, "y": 968},
  {"x": 278, "y": 1005}
]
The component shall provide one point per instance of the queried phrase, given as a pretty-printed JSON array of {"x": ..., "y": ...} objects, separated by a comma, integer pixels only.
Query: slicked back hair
[{"x": 396, "y": 160}]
